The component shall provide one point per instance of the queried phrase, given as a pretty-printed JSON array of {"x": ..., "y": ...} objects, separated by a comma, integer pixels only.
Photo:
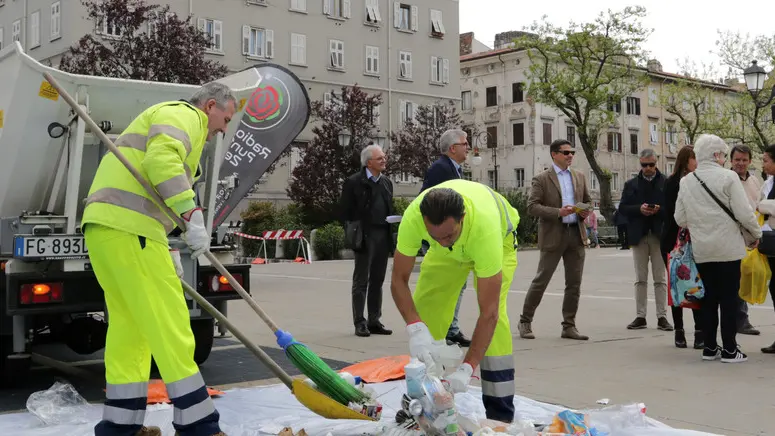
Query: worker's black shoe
[
  {"x": 362, "y": 331},
  {"x": 379, "y": 329},
  {"x": 458, "y": 338},
  {"x": 149, "y": 431}
]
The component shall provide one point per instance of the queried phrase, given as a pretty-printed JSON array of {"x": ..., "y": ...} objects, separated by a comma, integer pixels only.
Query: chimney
[
  {"x": 506, "y": 39},
  {"x": 466, "y": 43},
  {"x": 654, "y": 66}
]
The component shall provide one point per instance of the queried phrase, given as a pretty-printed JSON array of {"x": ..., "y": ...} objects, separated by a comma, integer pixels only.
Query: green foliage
[
  {"x": 400, "y": 204},
  {"x": 527, "y": 230},
  {"x": 329, "y": 240}
]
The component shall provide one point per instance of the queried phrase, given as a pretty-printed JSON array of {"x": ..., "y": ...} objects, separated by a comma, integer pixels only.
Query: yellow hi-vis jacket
[{"x": 164, "y": 143}]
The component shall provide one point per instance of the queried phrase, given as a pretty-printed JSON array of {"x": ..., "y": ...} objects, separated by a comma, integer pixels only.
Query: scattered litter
[
  {"x": 603, "y": 401},
  {"x": 287, "y": 431},
  {"x": 59, "y": 404}
]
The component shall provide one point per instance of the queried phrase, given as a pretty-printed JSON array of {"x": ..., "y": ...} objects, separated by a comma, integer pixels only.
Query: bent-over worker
[
  {"x": 127, "y": 238},
  {"x": 469, "y": 227}
]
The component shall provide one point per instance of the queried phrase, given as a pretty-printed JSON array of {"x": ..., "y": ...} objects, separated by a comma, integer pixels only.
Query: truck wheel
[
  {"x": 204, "y": 333},
  {"x": 13, "y": 370}
]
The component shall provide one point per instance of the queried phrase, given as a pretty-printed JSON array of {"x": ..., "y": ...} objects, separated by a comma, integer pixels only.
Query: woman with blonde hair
[
  {"x": 685, "y": 163},
  {"x": 713, "y": 205}
]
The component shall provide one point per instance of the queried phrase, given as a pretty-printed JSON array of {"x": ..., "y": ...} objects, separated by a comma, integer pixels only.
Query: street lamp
[
  {"x": 754, "y": 78},
  {"x": 344, "y": 139}
]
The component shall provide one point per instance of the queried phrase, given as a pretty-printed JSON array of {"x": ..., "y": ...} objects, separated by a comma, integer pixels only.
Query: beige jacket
[
  {"x": 765, "y": 206},
  {"x": 753, "y": 188}
]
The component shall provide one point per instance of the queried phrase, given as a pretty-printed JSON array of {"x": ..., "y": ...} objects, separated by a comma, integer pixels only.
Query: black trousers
[
  {"x": 678, "y": 312},
  {"x": 369, "y": 275},
  {"x": 722, "y": 282},
  {"x": 621, "y": 230}
]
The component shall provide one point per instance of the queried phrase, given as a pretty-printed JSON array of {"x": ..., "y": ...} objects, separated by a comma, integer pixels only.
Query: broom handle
[
  {"x": 159, "y": 201},
  {"x": 180, "y": 222}
]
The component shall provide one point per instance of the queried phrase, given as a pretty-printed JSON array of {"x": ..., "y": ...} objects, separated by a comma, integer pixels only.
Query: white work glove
[
  {"x": 421, "y": 343},
  {"x": 458, "y": 380},
  {"x": 175, "y": 255},
  {"x": 196, "y": 235}
]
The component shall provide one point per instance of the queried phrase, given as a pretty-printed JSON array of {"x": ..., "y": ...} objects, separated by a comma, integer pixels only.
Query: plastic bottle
[{"x": 415, "y": 375}]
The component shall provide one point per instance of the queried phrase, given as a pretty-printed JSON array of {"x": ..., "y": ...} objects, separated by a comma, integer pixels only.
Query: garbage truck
[{"x": 48, "y": 159}]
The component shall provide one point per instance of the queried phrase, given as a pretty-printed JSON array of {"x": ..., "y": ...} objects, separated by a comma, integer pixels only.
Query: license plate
[{"x": 50, "y": 247}]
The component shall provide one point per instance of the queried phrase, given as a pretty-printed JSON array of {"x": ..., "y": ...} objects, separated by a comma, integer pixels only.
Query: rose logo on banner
[{"x": 264, "y": 104}]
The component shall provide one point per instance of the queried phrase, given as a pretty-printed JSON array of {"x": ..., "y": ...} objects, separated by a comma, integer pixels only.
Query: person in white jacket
[
  {"x": 766, "y": 207},
  {"x": 719, "y": 234}
]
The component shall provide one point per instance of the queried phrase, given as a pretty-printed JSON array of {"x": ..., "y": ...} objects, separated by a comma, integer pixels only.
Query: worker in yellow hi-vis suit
[
  {"x": 126, "y": 234},
  {"x": 468, "y": 227}
]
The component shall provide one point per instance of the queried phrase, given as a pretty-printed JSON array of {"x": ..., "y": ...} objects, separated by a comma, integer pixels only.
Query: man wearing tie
[
  {"x": 453, "y": 145},
  {"x": 561, "y": 235}
]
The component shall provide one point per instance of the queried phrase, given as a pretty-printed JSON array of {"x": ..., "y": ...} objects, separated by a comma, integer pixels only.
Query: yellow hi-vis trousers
[
  {"x": 435, "y": 297},
  {"x": 147, "y": 314}
]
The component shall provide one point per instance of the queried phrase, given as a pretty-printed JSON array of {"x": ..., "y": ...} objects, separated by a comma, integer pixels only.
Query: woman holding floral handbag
[{"x": 713, "y": 205}]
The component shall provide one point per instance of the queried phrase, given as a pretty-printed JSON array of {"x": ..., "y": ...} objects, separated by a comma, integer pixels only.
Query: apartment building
[
  {"x": 406, "y": 50},
  {"x": 515, "y": 132}
]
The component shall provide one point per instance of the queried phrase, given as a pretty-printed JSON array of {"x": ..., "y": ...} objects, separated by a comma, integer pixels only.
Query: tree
[
  {"x": 414, "y": 147},
  {"x": 580, "y": 69},
  {"x": 147, "y": 42},
  {"x": 736, "y": 51},
  {"x": 316, "y": 182}
]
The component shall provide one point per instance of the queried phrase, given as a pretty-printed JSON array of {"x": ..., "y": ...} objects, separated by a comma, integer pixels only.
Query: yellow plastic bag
[{"x": 755, "y": 273}]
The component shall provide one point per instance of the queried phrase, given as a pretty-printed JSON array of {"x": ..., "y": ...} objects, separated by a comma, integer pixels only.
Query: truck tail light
[
  {"x": 219, "y": 283},
  {"x": 37, "y": 293}
]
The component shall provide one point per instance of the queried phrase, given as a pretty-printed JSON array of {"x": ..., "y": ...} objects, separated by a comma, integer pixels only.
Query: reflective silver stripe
[
  {"x": 193, "y": 413},
  {"x": 133, "y": 202},
  {"x": 188, "y": 173},
  {"x": 497, "y": 363},
  {"x": 126, "y": 391},
  {"x": 173, "y": 186},
  {"x": 121, "y": 416},
  {"x": 498, "y": 389},
  {"x": 132, "y": 140},
  {"x": 499, "y": 203},
  {"x": 185, "y": 386},
  {"x": 173, "y": 132}
]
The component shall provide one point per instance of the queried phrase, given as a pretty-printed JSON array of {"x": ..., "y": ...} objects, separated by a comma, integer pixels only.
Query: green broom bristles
[{"x": 327, "y": 380}]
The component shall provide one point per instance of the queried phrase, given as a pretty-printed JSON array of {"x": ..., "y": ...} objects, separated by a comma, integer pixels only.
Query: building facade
[
  {"x": 405, "y": 50},
  {"x": 514, "y": 132}
]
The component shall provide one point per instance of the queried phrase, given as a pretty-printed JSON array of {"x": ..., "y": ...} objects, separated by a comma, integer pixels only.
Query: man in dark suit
[
  {"x": 561, "y": 235},
  {"x": 642, "y": 200},
  {"x": 367, "y": 200},
  {"x": 453, "y": 145}
]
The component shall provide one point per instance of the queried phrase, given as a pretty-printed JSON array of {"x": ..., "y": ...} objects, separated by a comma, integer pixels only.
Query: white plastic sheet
[{"x": 266, "y": 410}]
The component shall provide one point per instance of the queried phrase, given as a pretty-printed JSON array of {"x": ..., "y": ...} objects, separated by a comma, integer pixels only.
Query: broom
[{"x": 306, "y": 361}]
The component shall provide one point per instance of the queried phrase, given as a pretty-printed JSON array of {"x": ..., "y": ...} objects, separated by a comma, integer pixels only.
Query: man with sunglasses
[
  {"x": 641, "y": 203},
  {"x": 561, "y": 235}
]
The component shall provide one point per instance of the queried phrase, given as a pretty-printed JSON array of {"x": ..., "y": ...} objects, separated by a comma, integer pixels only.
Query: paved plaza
[{"x": 313, "y": 302}]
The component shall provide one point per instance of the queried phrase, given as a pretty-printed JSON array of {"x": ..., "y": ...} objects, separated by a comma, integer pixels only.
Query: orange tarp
[
  {"x": 379, "y": 370},
  {"x": 157, "y": 392}
]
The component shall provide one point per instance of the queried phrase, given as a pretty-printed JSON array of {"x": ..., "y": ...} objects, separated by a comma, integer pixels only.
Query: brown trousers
[{"x": 572, "y": 253}]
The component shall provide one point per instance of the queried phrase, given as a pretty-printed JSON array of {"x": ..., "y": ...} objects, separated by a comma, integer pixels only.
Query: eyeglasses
[
  {"x": 648, "y": 164},
  {"x": 567, "y": 152}
]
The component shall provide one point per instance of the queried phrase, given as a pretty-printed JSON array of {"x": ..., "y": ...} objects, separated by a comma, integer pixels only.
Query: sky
[{"x": 680, "y": 28}]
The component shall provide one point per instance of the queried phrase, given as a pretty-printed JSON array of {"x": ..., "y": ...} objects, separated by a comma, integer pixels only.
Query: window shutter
[
  {"x": 218, "y": 35},
  {"x": 402, "y": 110},
  {"x": 346, "y": 8},
  {"x": 434, "y": 69},
  {"x": 396, "y": 14},
  {"x": 445, "y": 75},
  {"x": 610, "y": 142},
  {"x": 375, "y": 7},
  {"x": 326, "y": 7},
  {"x": 408, "y": 65},
  {"x": 619, "y": 142},
  {"x": 201, "y": 24},
  {"x": 440, "y": 22},
  {"x": 269, "y": 41},
  {"x": 327, "y": 100},
  {"x": 245, "y": 40},
  {"x": 415, "y": 15}
]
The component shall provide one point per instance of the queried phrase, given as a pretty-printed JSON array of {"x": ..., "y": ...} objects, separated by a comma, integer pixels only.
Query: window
[
  {"x": 653, "y": 133},
  {"x": 336, "y": 8},
  {"x": 633, "y": 143},
  {"x": 570, "y": 135},
  {"x": 439, "y": 70},
  {"x": 614, "y": 104},
  {"x": 633, "y": 106},
  {"x": 465, "y": 101},
  {"x": 671, "y": 135},
  {"x": 56, "y": 20},
  {"x": 653, "y": 96},
  {"x": 492, "y": 136},
  {"x": 405, "y": 64},
  {"x": 518, "y": 133},
  {"x": 547, "y": 133},
  {"x": 405, "y": 16},
  {"x": 669, "y": 167},
  {"x": 35, "y": 29},
  {"x": 469, "y": 134},
  {"x": 110, "y": 28},
  {"x": 406, "y": 109},
  {"x": 491, "y": 181},
  {"x": 213, "y": 30},
  {"x": 519, "y": 176},
  {"x": 687, "y": 140},
  {"x": 298, "y": 49},
  {"x": 372, "y": 12},
  {"x": 374, "y": 114},
  {"x": 437, "y": 26},
  {"x": 257, "y": 42},
  {"x": 614, "y": 181},
  {"x": 372, "y": 59},
  {"x": 492, "y": 96},
  {"x": 615, "y": 142},
  {"x": 592, "y": 181},
  {"x": 1, "y": 37},
  {"x": 299, "y": 5},
  {"x": 517, "y": 94},
  {"x": 336, "y": 53},
  {"x": 16, "y": 31},
  {"x": 154, "y": 18}
]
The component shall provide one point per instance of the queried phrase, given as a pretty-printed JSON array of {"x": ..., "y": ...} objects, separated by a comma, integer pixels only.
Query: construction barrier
[{"x": 280, "y": 235}]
